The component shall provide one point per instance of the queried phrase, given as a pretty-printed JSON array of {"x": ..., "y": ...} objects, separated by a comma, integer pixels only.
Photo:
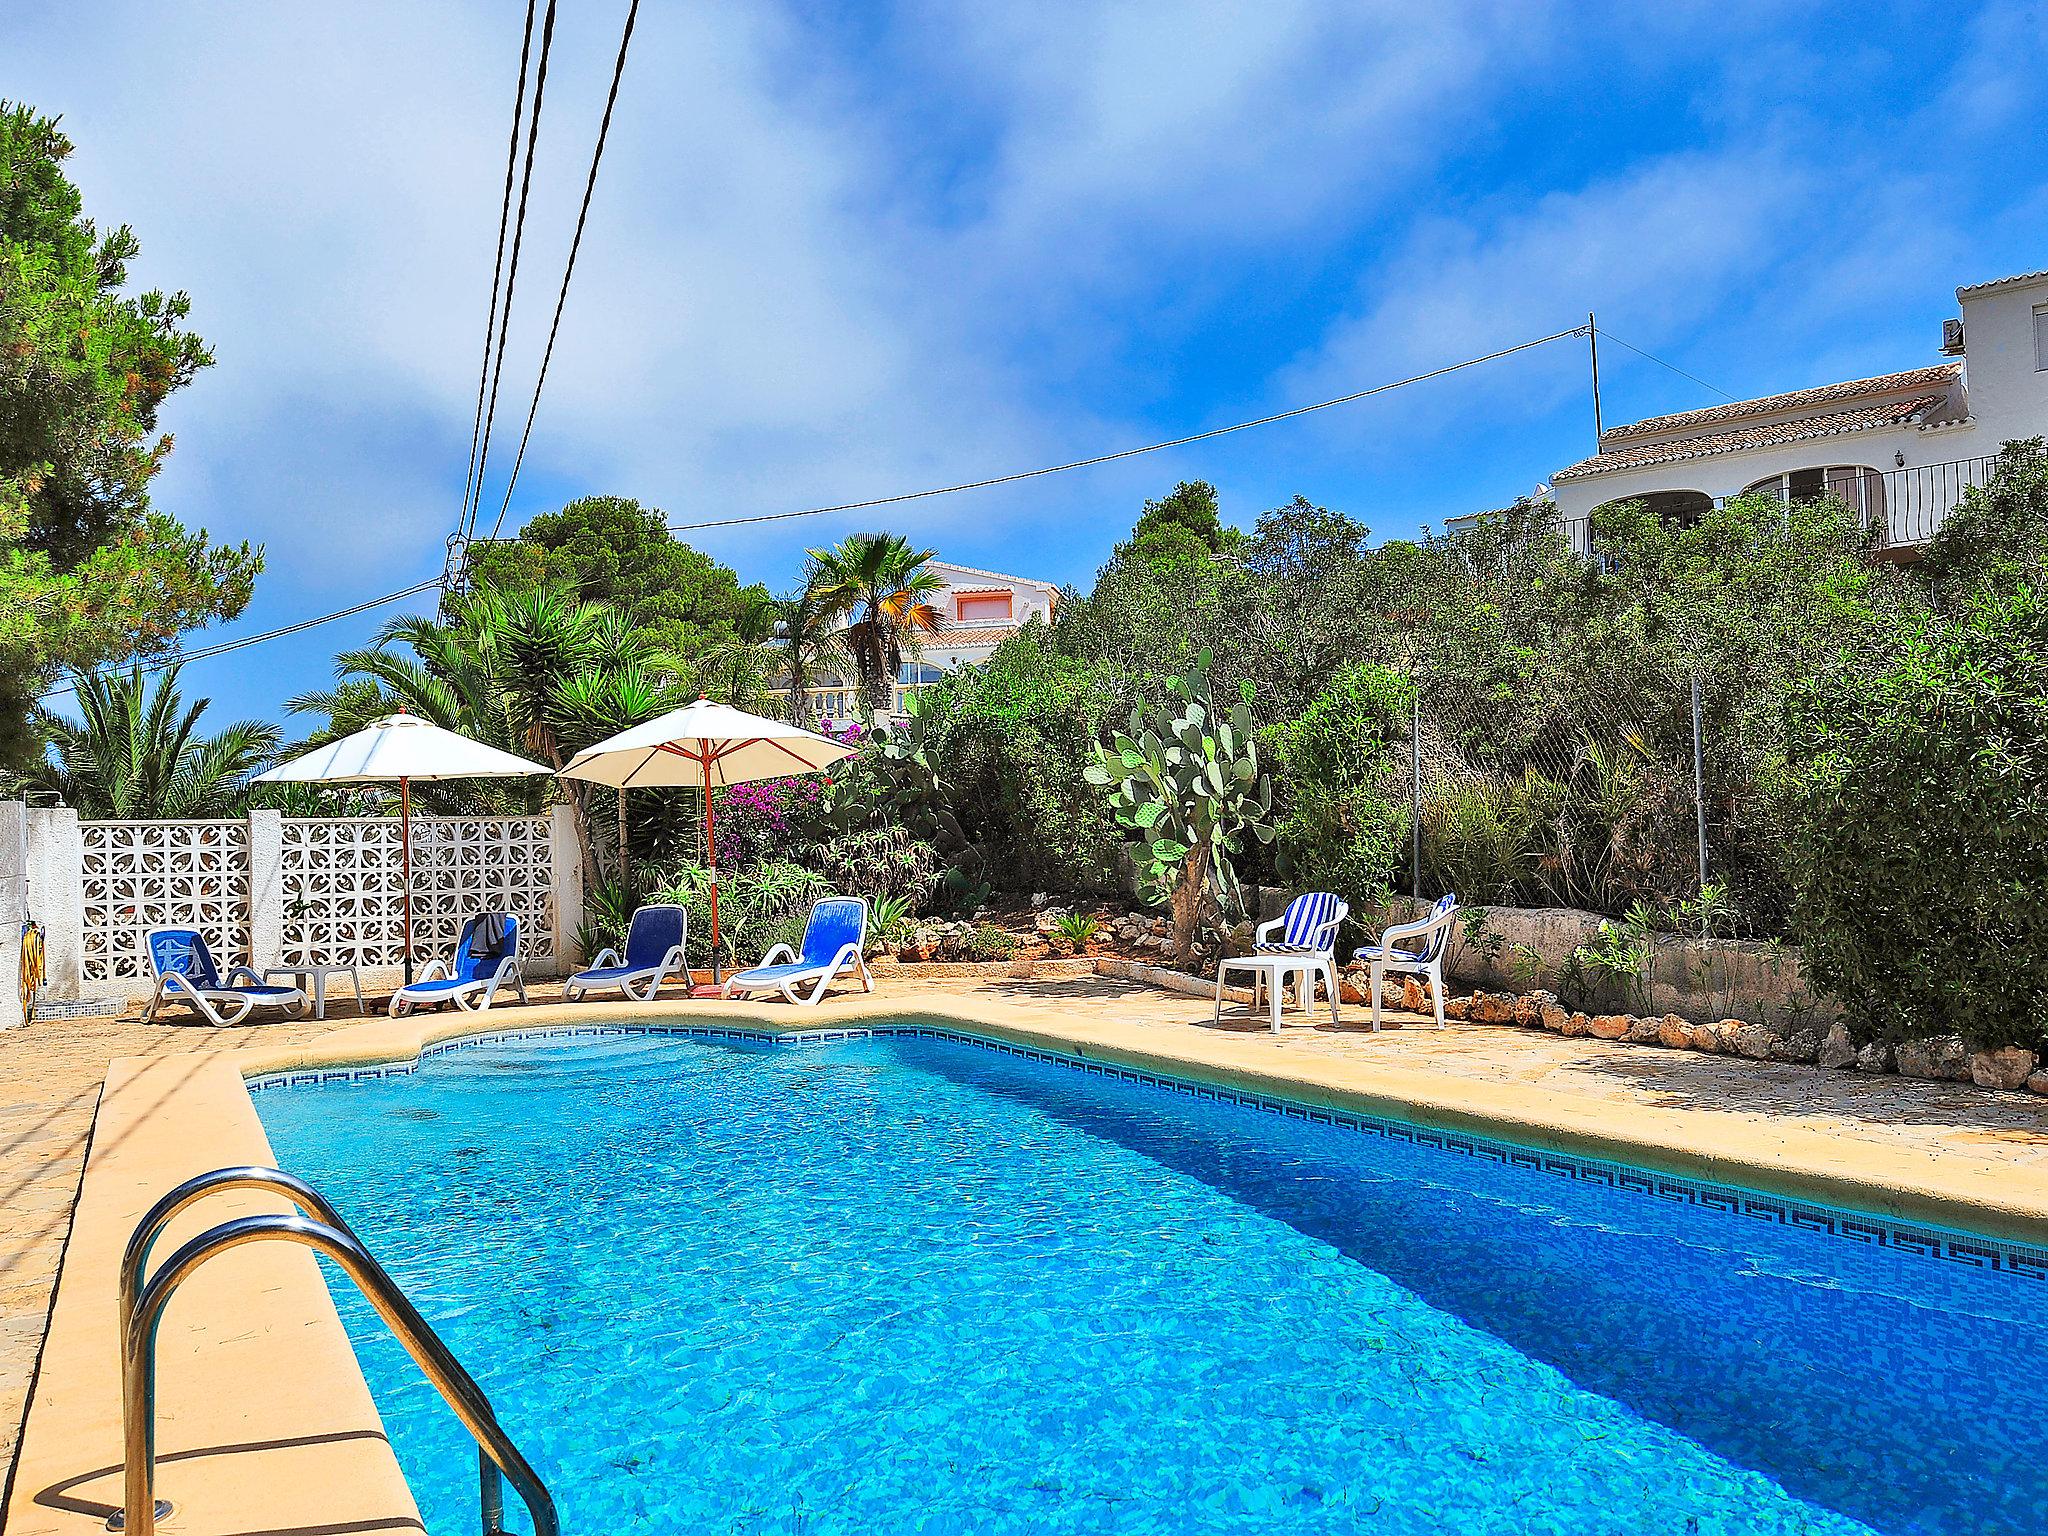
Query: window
[
  {"x": 2041, "y": 338},
  {"x": 982, "y": 607}
]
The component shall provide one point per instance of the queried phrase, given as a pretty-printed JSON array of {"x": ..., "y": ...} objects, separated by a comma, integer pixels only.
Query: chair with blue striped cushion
[
  {"x": 1309, "y": 924},
  {"x": 1427, "y": 962},
  {"x": 1305, "y": 952}
]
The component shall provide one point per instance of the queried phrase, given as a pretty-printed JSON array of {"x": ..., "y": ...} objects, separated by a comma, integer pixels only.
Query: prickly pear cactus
[{"x": 1185, "y": 777}]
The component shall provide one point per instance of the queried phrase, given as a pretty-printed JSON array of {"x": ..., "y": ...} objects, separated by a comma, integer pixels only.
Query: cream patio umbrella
[
  {"x": 401, "y": 747},
  {"x": 705, "y": 746}
]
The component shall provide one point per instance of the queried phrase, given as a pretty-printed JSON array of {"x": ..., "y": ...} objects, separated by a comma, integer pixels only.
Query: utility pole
[
  {"x": 1593, "y": 344},
  {"x": 454, "y": 572}
]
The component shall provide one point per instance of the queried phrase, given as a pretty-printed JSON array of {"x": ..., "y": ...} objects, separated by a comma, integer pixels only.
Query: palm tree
[
  {"x": 813, "y": 644},
  {"x": 880, "y": 585},
  {"x": 138, "y": 753}
]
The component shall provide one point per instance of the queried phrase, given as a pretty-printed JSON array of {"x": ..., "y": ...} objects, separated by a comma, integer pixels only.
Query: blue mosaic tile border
[{"x": 2025, "y": 1261}]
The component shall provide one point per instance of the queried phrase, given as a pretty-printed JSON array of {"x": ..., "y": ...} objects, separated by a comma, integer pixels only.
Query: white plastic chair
[
  {"x": 1427, "y": 963},
  {"x": 185, "y": 973},
  {"x": 1306, "y": 950}
]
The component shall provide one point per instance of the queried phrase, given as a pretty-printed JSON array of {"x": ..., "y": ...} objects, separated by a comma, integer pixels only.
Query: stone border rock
[{"x": 1941, "y": 1058}]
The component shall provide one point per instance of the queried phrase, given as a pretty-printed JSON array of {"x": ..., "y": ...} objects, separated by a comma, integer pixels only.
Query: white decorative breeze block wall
[
  {"x": 269, "y": 890},
  {"x": 343, "y": 891},
  {"x": 141, "y": 875}
]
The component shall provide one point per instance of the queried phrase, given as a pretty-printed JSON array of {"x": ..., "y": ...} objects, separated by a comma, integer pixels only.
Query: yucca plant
[{"x": 1076, "y": 929}]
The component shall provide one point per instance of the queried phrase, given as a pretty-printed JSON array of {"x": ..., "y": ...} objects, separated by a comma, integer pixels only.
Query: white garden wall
[{"x": 269, "y": 889}]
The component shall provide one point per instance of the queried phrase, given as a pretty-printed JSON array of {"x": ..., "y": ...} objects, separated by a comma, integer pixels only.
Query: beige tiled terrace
[{"x": 1966, "y": 1145}]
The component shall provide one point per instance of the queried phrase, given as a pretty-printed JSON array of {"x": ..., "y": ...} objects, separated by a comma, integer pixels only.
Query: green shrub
[
  {"x": 877, "y": 862},
  {"x": 1484, "y": 842},
  {"x": 1010, "y": 740},
  {"x": 1921, "y": 859},
  {"x": 1076, "y": 929},
  {"x": 988, "y": 942},
  {"x": 1996, "y": 540},
  {"x": 1342, "y": 814},
  {"x": 758, "y": 908},
  {"x": 1611, "y": 970}
]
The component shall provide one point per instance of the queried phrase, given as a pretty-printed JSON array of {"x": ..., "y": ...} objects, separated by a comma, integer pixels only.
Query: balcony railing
[
  {"x": 1901, "y": 508},
  {"x": 842, "y": 706}
]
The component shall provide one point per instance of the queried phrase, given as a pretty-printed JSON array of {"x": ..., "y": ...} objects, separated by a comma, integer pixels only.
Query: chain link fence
[{"x": 1625, "y": 801}]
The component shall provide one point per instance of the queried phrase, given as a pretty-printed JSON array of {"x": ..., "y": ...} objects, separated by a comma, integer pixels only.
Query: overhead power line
[
  {"x": 1129, "y": 453},
  {"x": 226, "y": 646},
  {"x": 1653, "y": 357},
  {"x": 540, "y": 86},
  {"x": 604, "y": 129},
  {"x": 483, "y": 376},
  {"x": 163, "y": 663}
]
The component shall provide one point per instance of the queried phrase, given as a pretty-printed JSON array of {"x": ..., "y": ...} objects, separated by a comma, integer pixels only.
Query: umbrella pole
[
  {"x": 711, "y": 863},
  {"x": 624, "y": 878},
  {"x": 405, "y": 864}
]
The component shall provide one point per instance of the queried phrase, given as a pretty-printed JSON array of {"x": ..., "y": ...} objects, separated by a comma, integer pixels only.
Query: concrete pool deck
[{"x": 267, "y": 1426}]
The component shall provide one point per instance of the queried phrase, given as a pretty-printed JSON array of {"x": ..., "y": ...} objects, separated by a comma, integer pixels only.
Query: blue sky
[{"x": 845, "y": 251}]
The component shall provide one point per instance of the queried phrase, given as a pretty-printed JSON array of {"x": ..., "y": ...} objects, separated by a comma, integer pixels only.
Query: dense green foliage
[
  {"x": 613, "y": 551},
  {"x": 90, "y": 571},
  {"x": 1922, "y": 842},
  {"x": 758, "y": 908},
  {"x": 1555, "y": 689},
  {"x": 136, "y": 751},
  {"x": 1010, "y": 740},
  {"x": 1993, "y": 541},
  {"x": 1343, "y": 809},
  {"x": 534, "y": 671}
]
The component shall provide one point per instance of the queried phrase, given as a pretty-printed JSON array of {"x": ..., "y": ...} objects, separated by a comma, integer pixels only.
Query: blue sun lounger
[
  {"x": 486, "y": 958},
  {"x": 655, "y": 941},
  {"x": 185, "y": 973},
  {"x": 835, "y": 940}
]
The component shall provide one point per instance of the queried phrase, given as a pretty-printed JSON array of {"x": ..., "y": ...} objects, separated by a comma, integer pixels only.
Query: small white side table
[
  {"x": 314, "y": 980},
  {"x": 1270, "y": 971}
]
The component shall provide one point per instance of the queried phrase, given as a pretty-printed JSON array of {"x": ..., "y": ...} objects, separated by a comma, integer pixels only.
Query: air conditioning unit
[{"x": 1952, "y": 338}]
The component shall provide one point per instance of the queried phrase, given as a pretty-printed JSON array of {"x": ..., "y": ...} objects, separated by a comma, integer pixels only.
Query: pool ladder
[{"x": 319, "y": 1227}]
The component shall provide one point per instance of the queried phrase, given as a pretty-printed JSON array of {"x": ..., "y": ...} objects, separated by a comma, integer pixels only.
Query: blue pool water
[{"x": 916, "y": 1285}]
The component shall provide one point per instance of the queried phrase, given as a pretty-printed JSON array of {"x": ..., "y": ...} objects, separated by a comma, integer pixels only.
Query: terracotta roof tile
[
  {"x": 971, "y": 635},
  {"x": 2016, "y": 280},
  {"x": 1737, "y": 437},
  {"x": 1795, "y": 400}
]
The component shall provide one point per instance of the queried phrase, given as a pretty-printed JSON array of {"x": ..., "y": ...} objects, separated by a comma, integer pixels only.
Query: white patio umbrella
[
  {"x": 705, "y": 746},
  {"x": 402, "y": 747}
]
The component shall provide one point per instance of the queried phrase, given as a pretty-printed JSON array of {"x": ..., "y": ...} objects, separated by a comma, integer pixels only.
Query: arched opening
[
  {"x": 1674, "y": 509},
  {"x": 1857, "y": 484}
]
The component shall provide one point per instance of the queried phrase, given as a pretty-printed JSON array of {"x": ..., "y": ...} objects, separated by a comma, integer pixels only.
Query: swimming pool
[{"x": 916, "y": 1284}]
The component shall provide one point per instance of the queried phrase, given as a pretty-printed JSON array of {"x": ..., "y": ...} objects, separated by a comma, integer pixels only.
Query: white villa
[
  {"x": 981, "y": 610},
  {"x": 1900, "y": 448}
]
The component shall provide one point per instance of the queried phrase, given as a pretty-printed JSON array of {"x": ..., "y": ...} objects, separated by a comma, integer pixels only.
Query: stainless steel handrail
[{"x": 496, "y": 1454}]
